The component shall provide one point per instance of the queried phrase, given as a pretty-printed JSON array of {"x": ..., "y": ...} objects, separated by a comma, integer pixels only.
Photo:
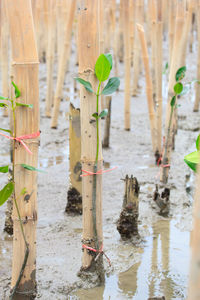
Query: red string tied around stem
[
  {"x": 23, "y": 137},
  {"x": 100, "y": 251}
]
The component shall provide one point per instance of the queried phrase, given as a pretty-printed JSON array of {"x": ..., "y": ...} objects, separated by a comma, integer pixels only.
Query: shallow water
[{"x": 161, "y": 271}]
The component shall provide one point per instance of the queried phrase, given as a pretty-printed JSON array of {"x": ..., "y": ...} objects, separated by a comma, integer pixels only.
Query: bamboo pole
[
  {"x": 178, "y": 45},
  {"x": 127, "y": 59},
  {"x": 172, "y": 17},
  {"x": 106, "y": 139},
  {"x": 145, "y": 58},
  {"x": 197, "y": 96},
  {"x": 74, "y": 195},
  {"x": 50, "y": 57},
  {"x": 120, "y": 34},
  {"x": 62, "y": 64},
  {"x": 88, "y": 42},
  {"x": 4, "y": 52},
  {"x": 194, "y": 280},
  {"x": 25, "y": 72}
]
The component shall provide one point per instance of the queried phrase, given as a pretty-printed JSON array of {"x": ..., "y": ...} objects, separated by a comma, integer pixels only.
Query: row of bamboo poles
[{"x": 132, "y": 28}]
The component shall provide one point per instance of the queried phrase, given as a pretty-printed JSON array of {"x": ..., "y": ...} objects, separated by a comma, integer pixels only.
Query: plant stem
[{"x": 97, "y": 123}]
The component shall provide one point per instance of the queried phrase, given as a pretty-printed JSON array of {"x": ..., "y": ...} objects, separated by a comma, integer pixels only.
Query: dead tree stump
[
  {"x": 74, "y": 195},
  {"x": 162, "y": 200},
  {"x": 127, "y": 224}
]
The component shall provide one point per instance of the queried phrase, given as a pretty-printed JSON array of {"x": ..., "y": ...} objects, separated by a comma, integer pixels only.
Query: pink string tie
[
  {"x": 100, "y": 172},
  {"x": 23, "y": 137},
  {"x": 100, "y": 251}
]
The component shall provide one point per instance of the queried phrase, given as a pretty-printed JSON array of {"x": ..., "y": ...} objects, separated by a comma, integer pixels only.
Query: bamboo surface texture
[
  {"x": 197, "y": 96},
  {"x": 25, "y": 72}
]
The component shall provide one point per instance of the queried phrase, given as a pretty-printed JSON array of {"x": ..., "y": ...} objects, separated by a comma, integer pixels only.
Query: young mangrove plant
[
  {"x": 9, "y": 188},
  {"x": 103, "y": 68},
  {"x": 193, "y": 159}
]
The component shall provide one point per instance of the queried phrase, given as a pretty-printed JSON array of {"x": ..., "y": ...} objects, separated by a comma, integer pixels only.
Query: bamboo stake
[
  {"x": 172, "y": 17},
  {"x": 127, "y": 59},
  {"x": 120, "y": 33},
  {"x": 137, "y": 49},
  {"x": 106, "y": 139},
  {"x": 62, "y": 64},
  {"x": 194, "y": 281},
  {"x": 175, "y": 64},
  {"x": 74, "y": 195},
  {"x": 116, "y": 40},
  {"x": 50, "y": 57},
  {"x": 4, "y": 52},
  {"x": 197, "y": 96},
  {"x": 25, "y": 71},
  {"x": 89, "y": 46},
  {"x": 145, "y": 58}
]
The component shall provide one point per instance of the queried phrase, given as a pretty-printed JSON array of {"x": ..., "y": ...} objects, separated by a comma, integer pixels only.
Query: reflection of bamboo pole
[
  {"x": 197, "y": 97},
  {"x": 145, "y": 58},
  {"x": 62, "y": 64},
  {"x": 127, "y": 59},
  {"x": 25, "y": 72},
  {"x": 175, "y": 64},
  {"x": 4, "y": 52},
  {"x": 88, "y": 43},
  {"x": 50, "y": 57},
  {"x": 194, "y": 281}
]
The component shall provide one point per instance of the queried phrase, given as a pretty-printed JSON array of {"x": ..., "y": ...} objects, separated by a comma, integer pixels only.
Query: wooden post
[
  {"x": 62, "y": 64},
  {"x": 4, "y": 52},
  {"x": 120, "y": 33},
  {"x": 88, "y": 42},
  {"x": 194, "y": 281},
  {"x": 149, "y": 93},
  {"x": 50, "y": 56},
  {"x": 127, "y": 59},
  {"x": 25, "y": 72},
  {"x": 74, "y": 195},
  {"x": 197, "y": 96},
  {"x": 127, "y": 224},
  {"x": 106, "y": 139}
]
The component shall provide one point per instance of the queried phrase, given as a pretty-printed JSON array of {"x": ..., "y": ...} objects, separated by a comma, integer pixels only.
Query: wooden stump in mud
[
  {"x": 162, "y": 200},
  {"x": 74, "y": 195},
  {"x": 127, "y": 224}
]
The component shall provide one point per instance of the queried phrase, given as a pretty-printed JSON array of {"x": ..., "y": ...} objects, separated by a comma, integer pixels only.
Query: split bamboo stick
[
  {"x": 127, "y": 59},
  {"x": 50, "y": 56},
  {"x": 25, "y": 72},
  {"x": 88, "y": 45},
  {"x": 172, "y": 17},
  {"x": 194, "y": 280},
  {"x": 106, "y": 139},
  {"x": 120, "y": 33},
  {"x": 145, "y": 58},
  {"x": 4, "y": 52},
  {"x": 197, "y": 96},
  {"x": 62, "y": 63}
]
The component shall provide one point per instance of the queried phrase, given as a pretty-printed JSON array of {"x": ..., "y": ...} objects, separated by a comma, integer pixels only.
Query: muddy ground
[{"x": 157, "y": 264}]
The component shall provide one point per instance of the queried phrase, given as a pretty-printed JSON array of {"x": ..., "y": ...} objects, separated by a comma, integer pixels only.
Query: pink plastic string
[
  {"x": 23, "y": 137},
  {"x": 100, "y": 172},
  {"x": 100, "y": 251}
]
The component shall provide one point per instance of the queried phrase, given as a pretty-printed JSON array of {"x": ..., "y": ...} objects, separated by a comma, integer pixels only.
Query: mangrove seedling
[
  {"x": 193, "y": 159},
  {"x": 103, "y": 68}
]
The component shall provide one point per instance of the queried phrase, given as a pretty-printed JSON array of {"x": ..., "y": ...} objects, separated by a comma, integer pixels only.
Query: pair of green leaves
[
  {"x": 178, "y": 87},
  {"x": 103, "y": 67},
  {"x": 193, "y": 159},
  {"x": 102, "y": 115}
]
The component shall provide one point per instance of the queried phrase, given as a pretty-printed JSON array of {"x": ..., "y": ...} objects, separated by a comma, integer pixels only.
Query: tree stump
[
  {"x": 162, "y": 200},
  {"x": 127, "y": 224},
  {"x": 74, "y": 195}
]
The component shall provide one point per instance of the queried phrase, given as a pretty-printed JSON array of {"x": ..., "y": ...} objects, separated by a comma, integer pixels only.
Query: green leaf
[
  {"x": 178, "y": 88},
  {"x": 102, "y": 68},
  {"x": 109, "y": 58},
  {"x": 17, "y": 91},
  {"x": 173, "y": 101},
  {"x": 4, "y": 98},
  {"x": 4, "y": 169},
  {"x": 95, "y": 115},
  {"x": 85, "y": 83},
  {"x": 30, "y": 168},
  {"x": 111, "y": 86},
  {"x": 192, "y": 160},
  {"x": 180, "y": 74},
  {"x": 3, "y": 104},
  {"x": 23, "y": 104},
  {"x": 6, "y": 130},
  {"x": 6, "y": 192},
  {"x": 198, "y": 143},
  {"x": 103, "y": 113}
]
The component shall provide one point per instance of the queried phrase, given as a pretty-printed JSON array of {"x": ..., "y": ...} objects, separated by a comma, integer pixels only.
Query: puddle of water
[
  {"x": 162, "y": 270},
  {"x": 51, "y": 161},
  {"x": 146, "y": 167}
]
